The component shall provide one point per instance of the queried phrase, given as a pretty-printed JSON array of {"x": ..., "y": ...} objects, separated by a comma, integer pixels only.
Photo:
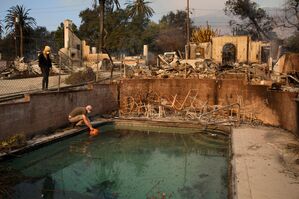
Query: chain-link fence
[
  {"x": 22, "y": 85},
  {"x": 19, "y": 77}
]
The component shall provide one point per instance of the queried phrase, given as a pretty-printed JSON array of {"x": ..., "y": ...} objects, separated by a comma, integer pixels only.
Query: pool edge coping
[{"x": 39, "y": 142}]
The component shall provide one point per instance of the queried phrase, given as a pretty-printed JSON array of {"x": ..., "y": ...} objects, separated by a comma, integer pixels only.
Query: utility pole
[
  {"x": 187, "y": 47},
  {"x": 21, "y": 40},
  {"x": 16, "y": 20},
  {"x": 188, "y": 22},
  {"x": 102, "y": 19}
]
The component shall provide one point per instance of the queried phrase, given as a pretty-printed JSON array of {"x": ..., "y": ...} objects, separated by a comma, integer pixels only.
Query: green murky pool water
[{"x": 122, "y": 164}]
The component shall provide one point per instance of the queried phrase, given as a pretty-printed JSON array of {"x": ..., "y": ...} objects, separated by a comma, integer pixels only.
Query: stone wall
[
  {"x": 275, "y": 108},
  {"x": 48, "y": 111},
  {"x": 241, "y": 43}
]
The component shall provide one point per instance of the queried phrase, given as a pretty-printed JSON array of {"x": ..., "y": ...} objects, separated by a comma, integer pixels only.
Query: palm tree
[
  {"x": 140, "y": 8},
  {"x": 19, "y": 15},
  {"x": 95, "y": 4},
  {"x": 1, "y": 29},
  {"x": 102, "y": 19}
]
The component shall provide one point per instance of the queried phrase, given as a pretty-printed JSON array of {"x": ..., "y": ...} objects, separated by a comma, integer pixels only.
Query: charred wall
[{"x": 275, "y": 108}]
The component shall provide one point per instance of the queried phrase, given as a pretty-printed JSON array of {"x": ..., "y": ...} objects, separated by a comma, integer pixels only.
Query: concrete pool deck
[{"x": 265, "y": 163}]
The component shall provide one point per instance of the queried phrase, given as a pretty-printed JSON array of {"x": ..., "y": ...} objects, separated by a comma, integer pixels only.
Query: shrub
[
  {"x": 81, "y": 77},
  {"x": 204, "y": 34},
  {"x": 13, "y": 142}
]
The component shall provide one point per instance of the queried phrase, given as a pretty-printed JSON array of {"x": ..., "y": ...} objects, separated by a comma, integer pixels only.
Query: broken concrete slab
[{"x": 3, "y": 65}]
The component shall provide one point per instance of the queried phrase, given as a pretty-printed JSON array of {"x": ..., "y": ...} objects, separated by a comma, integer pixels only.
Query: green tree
[
  {"x": 58, "y": 35},
  {"x": 89, "y": 28},
  {"x": 254, "y": 20},
  {"x": 172, "y": 33},
  {"x": 35, "y": 41},
  {"x": 103, "y": 3},
  {"x": 150, "y": 33},
  {"x": 7, "y": 47},
  {"x": 117, "y": 31},
  {"x": 170, "y": 39},
  {"x": 39, "y": 38},
  {"x": 175, "y": 19},
  {"x": 124, "y": 35},
  {"x": 139, "y": 12},
  {"x": 93, "y": 24},
  {"x": 291, "y": 15},
  {"x": 1, "y": 29},
  {"x": 24, "y": 22},
  {"x": 140, "y": 8},
  {"x": 136, "y": 27}
]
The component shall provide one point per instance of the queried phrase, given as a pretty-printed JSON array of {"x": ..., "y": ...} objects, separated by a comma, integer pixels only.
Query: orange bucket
[{"x": 94, "y": 132}]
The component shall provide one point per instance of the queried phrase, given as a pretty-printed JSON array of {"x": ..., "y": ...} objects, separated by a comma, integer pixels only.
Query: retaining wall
[
  {"x": 275, "y": 108},
  {"x": 48, "y": 111}
]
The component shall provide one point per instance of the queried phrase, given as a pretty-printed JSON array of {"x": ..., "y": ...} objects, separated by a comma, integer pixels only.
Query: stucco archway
[{"x": 229, "y": 54}]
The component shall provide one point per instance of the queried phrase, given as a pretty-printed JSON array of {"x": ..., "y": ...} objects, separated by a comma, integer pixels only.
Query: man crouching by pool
[{"x": 79, "y": 116}]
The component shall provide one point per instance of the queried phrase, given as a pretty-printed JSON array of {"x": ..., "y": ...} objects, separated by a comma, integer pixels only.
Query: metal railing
[
  {"x": 21, "y": 78},
  {"x": 28, "y": 82}
]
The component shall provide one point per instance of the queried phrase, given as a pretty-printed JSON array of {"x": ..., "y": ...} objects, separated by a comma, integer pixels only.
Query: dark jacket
[{"x": 43, "y": 62}]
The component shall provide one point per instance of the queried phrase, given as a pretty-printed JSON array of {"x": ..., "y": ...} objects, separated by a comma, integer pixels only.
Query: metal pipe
[
  {"x": 294, "y": 78},
  {"x": 59, "y": 74},
  {"x": 222, "y": 108}
]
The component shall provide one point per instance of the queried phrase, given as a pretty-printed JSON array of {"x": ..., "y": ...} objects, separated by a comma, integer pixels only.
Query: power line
[
  {"x": 79, "y": 6},
  {"x": 56, "y": 11},
  {"x": 213, "y": 22},
  {"x": 206, "y": 9},
  {"x": 54, "y": 7},
  {"x": 59, "y": 7}
]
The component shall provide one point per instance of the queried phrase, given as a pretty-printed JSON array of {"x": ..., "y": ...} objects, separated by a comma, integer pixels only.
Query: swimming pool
[{"x": 123, "y": 162}]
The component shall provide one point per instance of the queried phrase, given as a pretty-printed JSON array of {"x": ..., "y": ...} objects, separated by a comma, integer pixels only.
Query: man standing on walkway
[{"x": 45, "y": 64}]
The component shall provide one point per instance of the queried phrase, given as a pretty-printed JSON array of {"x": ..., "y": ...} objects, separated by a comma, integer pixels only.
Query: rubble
[
  {"x": 286, "y": 70},
  {"x": 153, "y": 105},
  {"x": 224, "y": 59},
  {"x": 174, "y": 67},
  {"x": 35, "y": 69},
  {"x": 94, "y": 66},
  {"x": 20, "y": 65},
  {"x": 3, "y": 65},
  {"x": 169, "y": 65},
  {"x": 19, "y": 68}
]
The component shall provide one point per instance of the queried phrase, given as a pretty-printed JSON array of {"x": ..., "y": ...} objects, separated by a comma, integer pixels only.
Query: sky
[{"x": 51, "y": 13}]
